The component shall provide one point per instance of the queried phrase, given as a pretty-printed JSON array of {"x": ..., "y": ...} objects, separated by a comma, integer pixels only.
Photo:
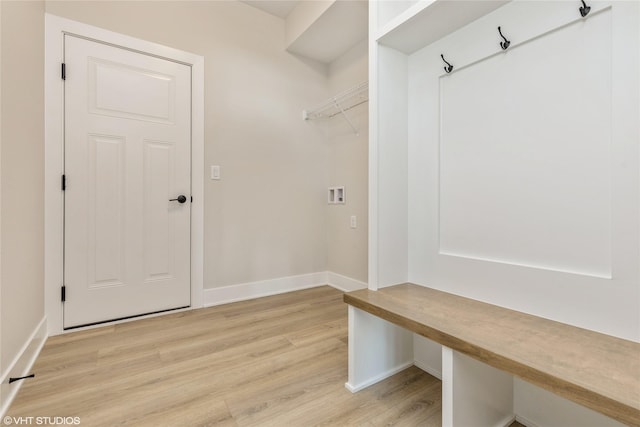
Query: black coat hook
[
  {"x": 449, "y": 67},
  {"x": 505, "y": 44},
  {"x": 584, "y": 10}
]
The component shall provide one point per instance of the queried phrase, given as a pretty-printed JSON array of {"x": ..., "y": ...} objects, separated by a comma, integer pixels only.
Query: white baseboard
[
  {"x": 506, "y": 421},
  {"x": 526, "y": 422},
  {"x": 428, "y": 369},
  {"x": 22, "y": 365},
  {"x": 371, "y": 381},
  {"x": 263, "y": 288},
  {"x": 344, "y": 283}
]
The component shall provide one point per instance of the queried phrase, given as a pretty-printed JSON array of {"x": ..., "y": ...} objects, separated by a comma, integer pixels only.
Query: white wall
[
  {"x": 348, "y": 167},
  {"x": 389, "y": 189},
  {"x": 574, "y": 266},
  {"x": 1, "y": 346},
  {"x": 22, "y": 169},
  {"x": 540, "y": 194},
  {"x": 266, "y": 217},
  {"x": 605, "y": 304}
]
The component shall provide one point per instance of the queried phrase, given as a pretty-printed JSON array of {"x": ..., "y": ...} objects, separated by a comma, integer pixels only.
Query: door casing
[{"x": 55, "y": 28}]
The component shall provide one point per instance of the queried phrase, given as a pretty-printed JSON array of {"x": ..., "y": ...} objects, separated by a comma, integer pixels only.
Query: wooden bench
[{"x": 595, "y": 370}]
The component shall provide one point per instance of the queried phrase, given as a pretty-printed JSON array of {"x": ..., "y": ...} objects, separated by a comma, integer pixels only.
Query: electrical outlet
[{"x": 354, "y": 221}]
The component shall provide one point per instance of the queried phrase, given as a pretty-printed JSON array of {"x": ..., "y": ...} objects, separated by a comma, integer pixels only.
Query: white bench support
[
  {"x": 377, "y": 349},
  {"x": 473, "y": 393}
]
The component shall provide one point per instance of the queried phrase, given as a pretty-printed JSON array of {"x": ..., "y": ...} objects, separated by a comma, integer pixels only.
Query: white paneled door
[{"x": 127, "y": 183}]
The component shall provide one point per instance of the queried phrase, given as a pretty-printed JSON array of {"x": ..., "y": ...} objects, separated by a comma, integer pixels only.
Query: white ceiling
[
  {"x": 340, "y": 27},
  {"x": 279, "y": 8}
]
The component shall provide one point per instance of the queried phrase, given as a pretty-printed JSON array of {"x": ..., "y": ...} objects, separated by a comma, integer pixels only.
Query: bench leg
[
  {"x": 377, "y": 349},
  {"x": 473, "y": 393}
]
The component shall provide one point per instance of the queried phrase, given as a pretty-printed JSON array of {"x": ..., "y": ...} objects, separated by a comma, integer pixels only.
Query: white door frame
[{"x": 55, "y": 28}]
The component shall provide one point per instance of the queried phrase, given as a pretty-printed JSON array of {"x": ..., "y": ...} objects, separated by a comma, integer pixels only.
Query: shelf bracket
[{"x": 346, "y": 117}]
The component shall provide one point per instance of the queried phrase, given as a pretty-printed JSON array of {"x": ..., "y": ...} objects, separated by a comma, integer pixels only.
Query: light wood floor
[{"x": 275, "y": 361}]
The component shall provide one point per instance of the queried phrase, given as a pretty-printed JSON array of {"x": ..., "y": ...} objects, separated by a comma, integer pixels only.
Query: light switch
[{"x": 215, "y": 172}]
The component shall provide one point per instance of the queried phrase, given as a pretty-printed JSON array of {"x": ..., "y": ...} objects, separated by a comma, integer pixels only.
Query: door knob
[{"x": 180, "y": 199}]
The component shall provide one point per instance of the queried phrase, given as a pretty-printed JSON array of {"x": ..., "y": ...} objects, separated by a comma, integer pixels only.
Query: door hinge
[
  {"x": 63, "y": 182},
  {"x": 63, "y": 71},
  {"x": 63, "y": 293}
]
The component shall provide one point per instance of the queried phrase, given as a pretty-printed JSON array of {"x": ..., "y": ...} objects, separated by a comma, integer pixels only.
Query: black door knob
[{"x": 180, "y": 199}]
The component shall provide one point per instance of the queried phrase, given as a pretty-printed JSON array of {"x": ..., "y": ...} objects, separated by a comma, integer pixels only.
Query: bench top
[{"x": 598, "y": 371}]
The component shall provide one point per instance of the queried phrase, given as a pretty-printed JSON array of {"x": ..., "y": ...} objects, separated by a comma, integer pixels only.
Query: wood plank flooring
[{"x": 275, "y": 361}]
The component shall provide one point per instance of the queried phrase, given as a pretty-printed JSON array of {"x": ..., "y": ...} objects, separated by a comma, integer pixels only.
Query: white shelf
[
  {"x": 430, "y": 20},
  {"x": 343, "y": 101},
  {"x": 340, "y": 104}
]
